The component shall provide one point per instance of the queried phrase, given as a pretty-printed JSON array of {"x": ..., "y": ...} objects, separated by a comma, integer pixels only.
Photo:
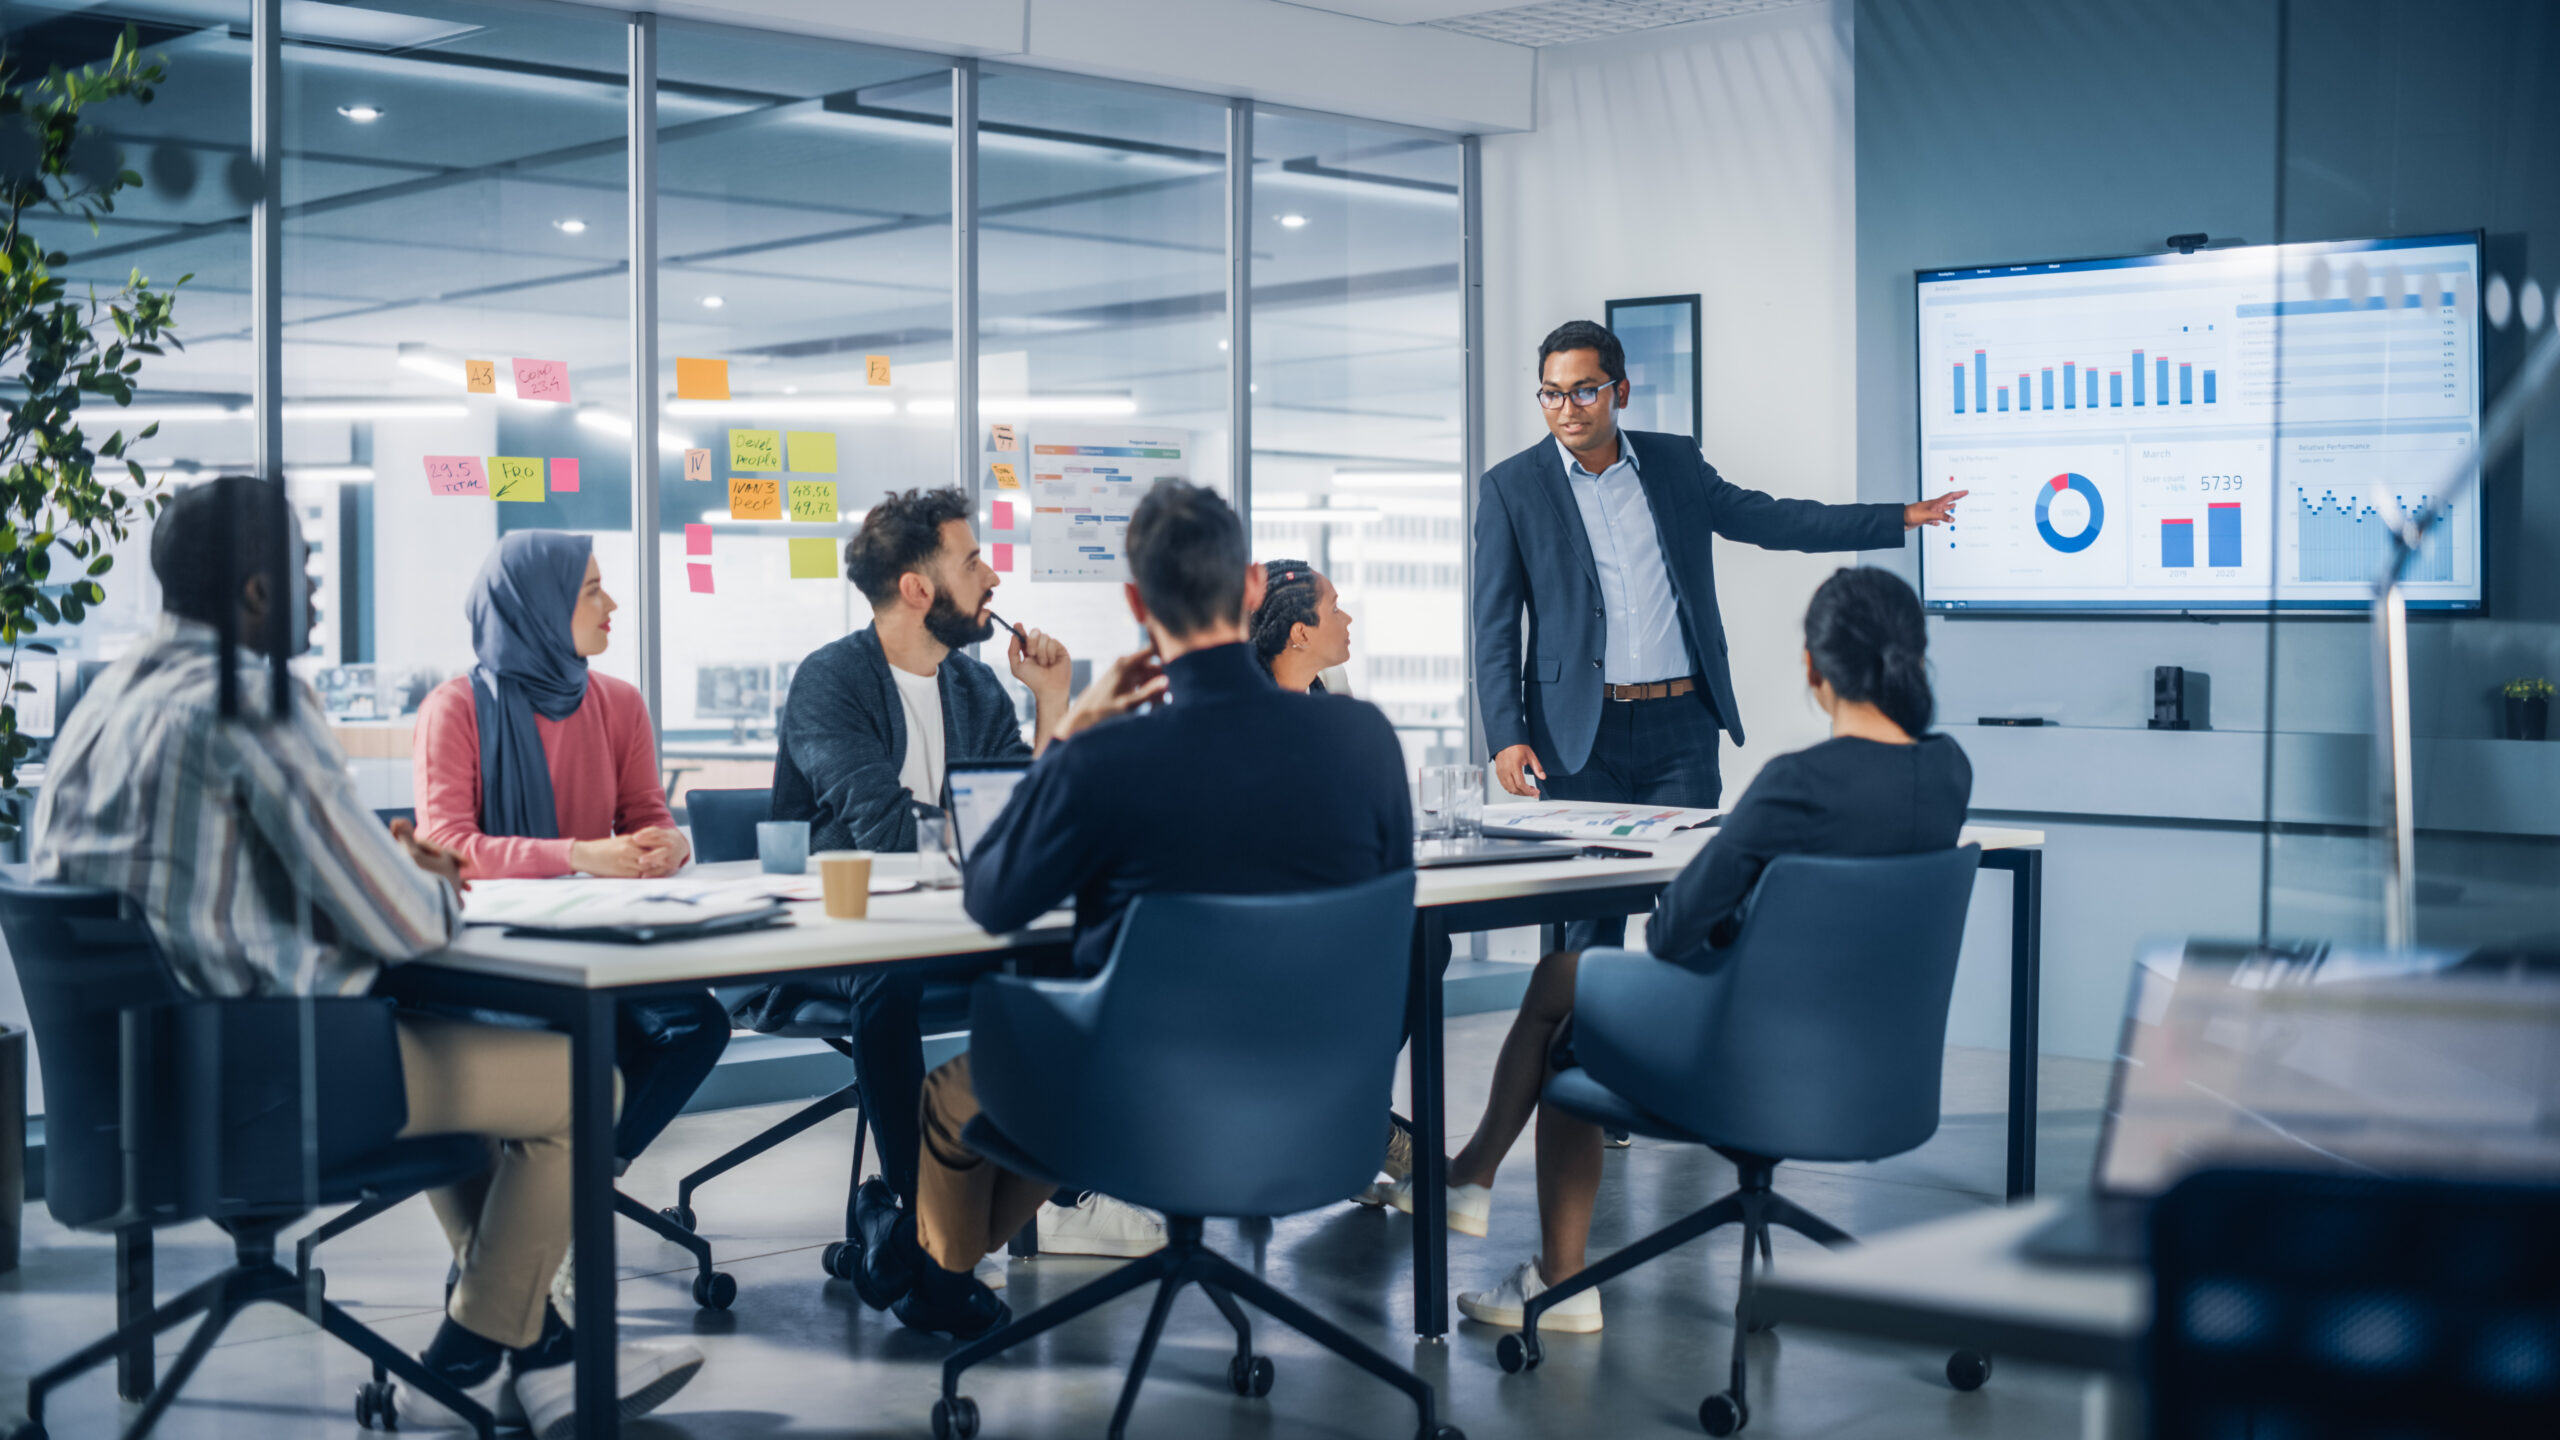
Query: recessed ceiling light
[
  {"x": 1293, "y": 222},
  {"x": 790, "y": 389},
  {"x": 570, "y": 226},
  {"x": 712, "y": 302},
  {"x": 361, "y": 114}
]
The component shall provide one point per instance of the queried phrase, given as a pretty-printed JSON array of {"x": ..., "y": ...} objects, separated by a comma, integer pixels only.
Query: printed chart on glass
[{"x": 1083, "y": 484}]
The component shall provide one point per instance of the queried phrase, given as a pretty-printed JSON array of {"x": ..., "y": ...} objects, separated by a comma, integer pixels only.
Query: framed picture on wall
[{"x": 1661, "y": 335}]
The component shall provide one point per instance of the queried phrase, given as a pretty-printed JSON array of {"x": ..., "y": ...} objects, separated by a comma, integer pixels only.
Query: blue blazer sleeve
[
  {"x": 1501, "y": 590},
  {"x": 842, "y": 740},
  {"x": 986, "y": 727},
  {"x": 1774, "y": 524},
  {"x": 1039, "y": 852}
]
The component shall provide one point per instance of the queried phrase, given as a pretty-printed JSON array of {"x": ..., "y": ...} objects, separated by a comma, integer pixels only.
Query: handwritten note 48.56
[
  {"x": 755, "y": 449},
  {"x": 814, "y": 500}
]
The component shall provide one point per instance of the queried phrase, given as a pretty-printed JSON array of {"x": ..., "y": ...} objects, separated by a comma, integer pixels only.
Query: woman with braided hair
[{"x": 1301, "y": 630}]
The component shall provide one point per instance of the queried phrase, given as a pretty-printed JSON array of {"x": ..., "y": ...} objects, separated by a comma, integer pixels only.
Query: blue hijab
[{"x": 520, "y": 609}]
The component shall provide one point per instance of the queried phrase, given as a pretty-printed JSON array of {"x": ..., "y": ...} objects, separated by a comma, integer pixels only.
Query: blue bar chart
[
  {"x": 2070, "y": 383},
  {"x": 2221, "y": 535},
  {"x": 1959, "y": 389},
  {"x": 2076, "y": 388},
  {"x": 1981, "y": 377},
  {"x": 2163, "y": 389},
  {"x": 2137, "y": 379},
  {"x": 2177, "y": 544}
]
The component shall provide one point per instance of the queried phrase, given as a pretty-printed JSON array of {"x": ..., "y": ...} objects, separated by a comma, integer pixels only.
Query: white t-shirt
[{"x": 921, "y": 770}]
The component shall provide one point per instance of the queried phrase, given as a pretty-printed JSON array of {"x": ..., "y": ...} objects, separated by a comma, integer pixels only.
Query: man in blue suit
[{"x": 1603, "y": 539}]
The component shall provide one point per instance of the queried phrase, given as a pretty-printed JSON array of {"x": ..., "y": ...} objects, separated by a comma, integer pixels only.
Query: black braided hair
[
  {"x": 1865, "y": 633},
  {"x": 1288, "y": 599}
]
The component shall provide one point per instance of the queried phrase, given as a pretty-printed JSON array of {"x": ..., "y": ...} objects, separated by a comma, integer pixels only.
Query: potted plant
[
  {"x": 2528, "y": 708},
  {"x": 63, "y": 353}
]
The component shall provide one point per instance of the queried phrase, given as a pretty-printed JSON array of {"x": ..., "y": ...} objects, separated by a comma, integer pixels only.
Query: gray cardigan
[{"x": 843, "y": 737}]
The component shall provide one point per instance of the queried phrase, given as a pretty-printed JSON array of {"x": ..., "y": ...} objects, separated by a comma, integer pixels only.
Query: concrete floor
[{"x": 799, "y": 1356}]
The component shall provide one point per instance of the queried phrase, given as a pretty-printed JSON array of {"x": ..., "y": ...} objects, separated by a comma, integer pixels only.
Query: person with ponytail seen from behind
[
  {"x": 1881, "y": 785},
  {"x": 1300, "y": 630}
]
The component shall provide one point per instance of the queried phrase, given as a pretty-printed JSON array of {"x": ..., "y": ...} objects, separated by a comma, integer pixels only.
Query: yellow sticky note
[
  {"x": 813, "y": 557},
  {"x": 755, "y": 449},
  {"x": 702, "y": 379},
  {"x": 1005, "y": 478},
  {"x": 877, "y": 367},
  {"x": 515, "y": 477},
  {"x": 480, "y": 377},
  {"x": 753, "y": 499},
  {"x": 697, "y": 465},
  {"x": 813, "y": 451},
  {"x": 814, "y": 500}
]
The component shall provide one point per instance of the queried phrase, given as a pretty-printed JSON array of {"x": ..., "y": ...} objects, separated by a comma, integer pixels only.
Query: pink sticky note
[
  {"x": 700, "y": 576},
  {"x": 456, "y": 475},
  {"x": 564, "y": 473},
  {"x": 1004, "y": 557},
  {"x": 1004, "y": 514},
  {"x": 542, "y": 380},
  {"x": 697, "y": 539}
]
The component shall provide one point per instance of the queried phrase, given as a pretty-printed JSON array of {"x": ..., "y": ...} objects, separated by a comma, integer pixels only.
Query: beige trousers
[
  {"x": 967, "y": 1206},
  {"x": 508, "y": 1225}
]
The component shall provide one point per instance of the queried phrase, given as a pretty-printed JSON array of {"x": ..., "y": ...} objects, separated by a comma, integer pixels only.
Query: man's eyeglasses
[{"x": 1583, "y": 397}]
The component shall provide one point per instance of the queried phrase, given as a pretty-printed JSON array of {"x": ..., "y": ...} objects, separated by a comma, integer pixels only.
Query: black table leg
[
  {"x": 2026, "y": 969},
  {"x": 133, "y": 1301},
  {"x": 591, "y": 1062},
  {"x": 1429, "y": 1104}
]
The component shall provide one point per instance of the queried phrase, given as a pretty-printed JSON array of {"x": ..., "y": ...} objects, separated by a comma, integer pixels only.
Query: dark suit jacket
[
  {"x": 843, "y": 738},
  {"x": 1532, "y": 556}
]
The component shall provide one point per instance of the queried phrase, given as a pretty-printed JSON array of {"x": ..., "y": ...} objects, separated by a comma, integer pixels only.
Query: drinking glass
[
  {"x": 936, "y": 867},
  {"x": 1463, "y": 788}
]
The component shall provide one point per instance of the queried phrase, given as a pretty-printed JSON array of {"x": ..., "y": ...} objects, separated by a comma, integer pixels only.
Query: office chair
[
  {"x": 1819, "y": 1034},
  {"x": 165, "y": 1109},
  {"x": 652, "y": 1097},
  {"x": 1227, "y": 1062},
  {"x": 2303, "y": 1304},
  {"x": 724, "y": 828}
]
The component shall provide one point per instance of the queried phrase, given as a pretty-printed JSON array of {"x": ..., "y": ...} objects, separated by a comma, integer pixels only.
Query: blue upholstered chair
[
  {"x": 164, "y": 1109},
  {"x": 1226, "y": 1063},
  {"x": 1818, "y": 1034},
  {"x": 724, "y": 822}
]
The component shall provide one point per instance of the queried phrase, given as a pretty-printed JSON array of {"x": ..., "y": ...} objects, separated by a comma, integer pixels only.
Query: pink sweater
[{"x": 604, "y": 778}]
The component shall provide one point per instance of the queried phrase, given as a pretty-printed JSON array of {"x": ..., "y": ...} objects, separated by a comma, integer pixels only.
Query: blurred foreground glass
[{"x": 1452, "y": 802}]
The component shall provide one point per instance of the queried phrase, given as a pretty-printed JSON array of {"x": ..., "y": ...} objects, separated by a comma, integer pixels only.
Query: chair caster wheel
[
  {"x": 1617, "y": 1139},
  {"x": 715, "y": 1290},
  {"x": 1721, "y": 1414},
  {"x": 1446, "y": 1432},
  {"x": 955, "y": 1418},
  {"x": 1517, "y": 1352},
  {"x": 1250, "y": 1376},
  {"x": 374, "y": 1409},
  {"x": 680, "y": 1216},
  {"x": 1968, "y": 1369},
  {"x": 840, "y": 1259}
]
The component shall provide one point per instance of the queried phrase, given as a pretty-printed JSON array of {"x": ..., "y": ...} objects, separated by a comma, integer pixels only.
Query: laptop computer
[
  {"x": 1489, "y": 850},
  {"x": 975, "y": 793},
  {"x": 2351, "y": 1061}
]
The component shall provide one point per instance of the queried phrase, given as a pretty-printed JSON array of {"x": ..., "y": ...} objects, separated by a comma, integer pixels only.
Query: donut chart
[{"x": 2069, "y": 544}]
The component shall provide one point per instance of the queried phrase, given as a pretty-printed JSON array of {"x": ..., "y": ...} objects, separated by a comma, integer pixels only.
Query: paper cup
[{"x": 845, "y": 876}]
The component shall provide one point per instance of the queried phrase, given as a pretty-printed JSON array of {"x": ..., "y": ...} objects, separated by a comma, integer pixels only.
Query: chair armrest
[
  {"x": 1636, "y": 1017},
  {"x": 1030, "y": 1042}
]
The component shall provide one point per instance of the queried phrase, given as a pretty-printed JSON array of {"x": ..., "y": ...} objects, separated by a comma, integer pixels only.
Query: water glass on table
[
  {"x": 783, "y": 846},
  {"x": 936, "y": 869},
  {"x": 1452, "y": 802}
]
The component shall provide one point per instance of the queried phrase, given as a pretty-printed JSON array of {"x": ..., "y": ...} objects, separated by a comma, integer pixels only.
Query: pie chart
[{"x": 2085, "y": 533}]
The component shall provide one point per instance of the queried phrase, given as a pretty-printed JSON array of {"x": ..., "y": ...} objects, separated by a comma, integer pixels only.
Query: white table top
[{"x": 928, "y": 923}]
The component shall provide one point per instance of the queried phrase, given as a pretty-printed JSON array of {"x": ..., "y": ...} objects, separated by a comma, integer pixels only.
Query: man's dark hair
[
  {"x": 201, "y": 577},
  {"x": 1585, "y": 335},
  {"x": 902, "y": 533},
  {"x": 1187, "y": 553}
]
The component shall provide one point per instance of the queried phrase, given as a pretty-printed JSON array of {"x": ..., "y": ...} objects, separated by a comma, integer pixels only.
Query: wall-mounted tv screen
[{"x": 2228, "y": 430}]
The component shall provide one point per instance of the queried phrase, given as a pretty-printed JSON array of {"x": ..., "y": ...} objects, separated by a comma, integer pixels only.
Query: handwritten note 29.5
[{"x": 456, "y": 475}]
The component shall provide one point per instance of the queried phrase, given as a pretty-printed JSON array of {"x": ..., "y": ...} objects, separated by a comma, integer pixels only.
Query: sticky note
[
  {"x": 1003, "y": 557},
  {"x": 699, "y": 576},
  {"x": 456, "y": 475},
  {"x": 876, "y": 367},
  {"x": 813, "y": 557},
  {"x": 755, "y": 449},
  {"x": 813, "y": 451},
  {"x": 697, "y": 539},
  {"x": 1004, "y": 438},
  {"x": 702, "y": 379},
  {"x": 697, "y": 465},
  {"x": 564, "y": 473},
  {"x": 480, "y": 377},
  {"x": 814, "y": 500},
  {"x": 1003, "y": 515},
  {"x": 542, "y": 380},
  {"x": 1005, "y": 478},
  {"x": 515, "y": 477},
  {"x": 753, "y": 499}
]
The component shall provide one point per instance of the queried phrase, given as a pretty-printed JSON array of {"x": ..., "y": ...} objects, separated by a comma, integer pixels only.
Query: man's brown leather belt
[{"x": 1655, "y": 691}]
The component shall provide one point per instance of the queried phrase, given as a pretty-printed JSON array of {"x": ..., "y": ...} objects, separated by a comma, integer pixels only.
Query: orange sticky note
[
  {"x": 753, "y": 499},
  {"x": 877, "y": 368},
  {"x": 564, "y": 473},
  {"x": 700, "y": 578},
  {"x": 1005, "y": 478},
  {"x": 697, "y": 465},
  {"x": 697, "y": 539},
  {"x": 543, "y": 380},
  {"x": 1004, "y": 438},
  {"x": 1003, "y": 515},
  {"x": 702, "y": 379},
  {"x": 480, "y": 377},
  {"x": 456, "y": 475},
  {"x": 1003, "y": 557}
]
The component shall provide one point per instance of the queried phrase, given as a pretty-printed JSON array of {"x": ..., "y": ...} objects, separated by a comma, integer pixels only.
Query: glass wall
[{"x": 1358, "y": 401}]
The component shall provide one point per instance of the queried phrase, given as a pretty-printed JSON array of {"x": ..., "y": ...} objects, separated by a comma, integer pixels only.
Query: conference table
[{"x": 575, "y": 986}]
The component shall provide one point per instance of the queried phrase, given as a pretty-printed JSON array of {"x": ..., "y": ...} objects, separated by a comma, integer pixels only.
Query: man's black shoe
[
  {"x": 942, "y": 1303},
  {"x": 886, "y": 1269}
]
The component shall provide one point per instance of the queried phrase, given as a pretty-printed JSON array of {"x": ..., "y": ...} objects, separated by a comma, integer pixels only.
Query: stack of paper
[
  {"x": 580, "y": 904},
  {"x": 1593, "y": 819}
]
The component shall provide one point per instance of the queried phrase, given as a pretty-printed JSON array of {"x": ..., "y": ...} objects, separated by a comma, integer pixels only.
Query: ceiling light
[
  {"x": 1396, "y": 480},
  {"x": 570, "y": 226},
  {"x": 1030, "y": 406},
  {"x": 712, "y": 302},
  {"x": 751, "y": 406},
  {"x": 606, "y": 422},
  {"x": 361, "y": 114},
  {"x": 790, "y": 389},
  {"x": 425, "y": 364},
  {"x": 330, "y": 474},
  {"x": 1293, "y": 222},
  {"x": 303, "y": 410},
  {"x": 1333, "y": 515}
]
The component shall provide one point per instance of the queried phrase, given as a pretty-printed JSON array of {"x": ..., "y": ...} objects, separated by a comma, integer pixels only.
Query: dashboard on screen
[{"x": 2230, "y": 430}]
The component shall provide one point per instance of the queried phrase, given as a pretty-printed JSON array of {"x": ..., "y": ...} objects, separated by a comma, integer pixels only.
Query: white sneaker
[
  {"x": 418, "y": 1413},
  {"x": 990, "y": 1272},
  {"x": 1502, "y": 1306},
  {"x": 1397, "y": 1165},
  {"x": 1470, "y": 1206},
  {"x": 649, "y": 1374},
  {"x": 1100, "y": 1225}
]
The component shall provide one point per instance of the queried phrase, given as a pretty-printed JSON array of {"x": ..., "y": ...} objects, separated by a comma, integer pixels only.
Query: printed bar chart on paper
[{"x": 1594, "y": 819}]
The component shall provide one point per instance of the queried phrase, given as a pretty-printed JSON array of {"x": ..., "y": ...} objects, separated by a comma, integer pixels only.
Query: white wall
[{"x": 1715, "y": 158}]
